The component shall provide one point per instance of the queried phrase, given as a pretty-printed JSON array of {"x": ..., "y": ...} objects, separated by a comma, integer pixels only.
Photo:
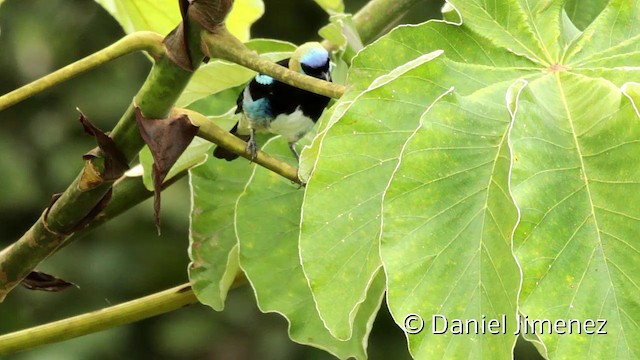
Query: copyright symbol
[{"x": 413, "y": 324}]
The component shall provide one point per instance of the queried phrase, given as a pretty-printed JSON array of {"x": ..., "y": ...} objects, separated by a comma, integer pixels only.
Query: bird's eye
[{"x": 307, "y": 69}]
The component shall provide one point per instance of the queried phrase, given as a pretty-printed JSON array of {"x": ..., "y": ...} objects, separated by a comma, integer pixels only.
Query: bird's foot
[
  {"x": 252, "y": 148},
  {"x": 292, "y": 146}
]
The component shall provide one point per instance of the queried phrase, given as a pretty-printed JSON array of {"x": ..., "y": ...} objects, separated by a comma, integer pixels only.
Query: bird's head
[{"x": 311, "y": 59}]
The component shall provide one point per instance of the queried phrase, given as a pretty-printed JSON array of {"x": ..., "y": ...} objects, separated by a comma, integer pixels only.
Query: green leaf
[
  {"x": 339, "y": 248},
  {"x": 217, "y": 104},
  {"x": 213, "y": 250},
  {"x": 454, "y": 249},
  {"x": 610, "y": 40},
  {"x": 267, "y": 218},
  {"x": 243, "y": 14},
  {"x": 427, "y": 184},
  {"x": 342, "y": 31},
  {"x": 506, "y": 23},
  {"x": 341, "y": 216},
  {"x": 162, "y": 16},
  {"x": 331, "y": 6},
  {"x": 219, "y": 75},
  {"x": 574, "y": 140}
]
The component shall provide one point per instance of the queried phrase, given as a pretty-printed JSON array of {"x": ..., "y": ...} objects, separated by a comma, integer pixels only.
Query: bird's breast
[{"x": 292, "y": 126}]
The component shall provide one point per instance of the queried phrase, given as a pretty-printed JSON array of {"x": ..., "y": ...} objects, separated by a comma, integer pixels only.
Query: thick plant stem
[
  {"x": 162, "y": 88},
  {"x": 127, "y": 193},
  {"x": 223, "y": 45},
  {"x": 125, "y": 313},
  {"x": 138, "y": 41}
]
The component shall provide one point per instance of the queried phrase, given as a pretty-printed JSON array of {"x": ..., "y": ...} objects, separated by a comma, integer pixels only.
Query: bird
[{"x": 267, "y": 104}]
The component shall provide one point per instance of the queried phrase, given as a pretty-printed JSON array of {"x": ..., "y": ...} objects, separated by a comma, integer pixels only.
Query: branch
[
  {"x": 127, "y": 193},
  {"x": 164, "y": 84},
  {"x": 79, "y": 203},
  {"x": 126, "y": 313},
  {"x": 223, "y": 45},
  {"x": 373, "y": 19},
  {"x": 138, "y": 41},
  {"x": 135, "y": 310},
  {"x": 378, "y": 16},
  {"x": 210, "y": 131}
]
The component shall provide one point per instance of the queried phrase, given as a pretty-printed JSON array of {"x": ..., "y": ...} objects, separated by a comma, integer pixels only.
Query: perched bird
[{"x": 270, "y": 105}]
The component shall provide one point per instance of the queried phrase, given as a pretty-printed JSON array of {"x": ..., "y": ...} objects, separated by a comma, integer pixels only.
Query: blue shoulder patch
[
  {"x": 315, "y": 57},
  {"x": 264, "y": 79}
]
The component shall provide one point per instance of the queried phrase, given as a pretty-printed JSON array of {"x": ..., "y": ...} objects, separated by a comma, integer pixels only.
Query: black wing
[{"x": 257, "y": 90}]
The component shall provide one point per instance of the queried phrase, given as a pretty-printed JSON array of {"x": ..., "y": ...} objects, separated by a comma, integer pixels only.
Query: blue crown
[{"x": 315, "y": 57}]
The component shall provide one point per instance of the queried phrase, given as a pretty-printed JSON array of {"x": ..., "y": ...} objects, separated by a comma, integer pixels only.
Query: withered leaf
[
  {"x": 177, "y": 45},
  {"x": 37, "y": 280},
  {"x": 184, "y": 7},
  {"x": 210, "y": 14},
  {"x": 114, "y": 163},
  {"x": 167, "y": 139}
]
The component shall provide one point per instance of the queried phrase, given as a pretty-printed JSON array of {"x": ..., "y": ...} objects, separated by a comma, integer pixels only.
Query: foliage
[
  {"x": 490, "y": 179},
  {"x": 478, "y": 167}
]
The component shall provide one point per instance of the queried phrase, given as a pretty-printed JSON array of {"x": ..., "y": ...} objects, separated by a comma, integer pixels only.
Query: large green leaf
[
  {"x": 575, "y": 142},
  {"x": 162, "y": 16},
  {"x": 267, "y": 228},
  {"x": 243, "y": 14},
  {"x": 454, "y": 247},
  {"x": 417, "y": 170},
  {"x": 215, "y": 186},
  {"x": 338, "y": 251},
  {"x": 364, "y": 146}
]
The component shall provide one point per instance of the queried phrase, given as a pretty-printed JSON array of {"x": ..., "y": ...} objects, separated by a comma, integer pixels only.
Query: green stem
[
  {"x": 162, "y": 88},
  {"x": 210, "y": 131},
  {"x": 127, "y": 193},
  {"x": 223, "y": 45},
  {"x": 378, "y": 16},
  {"x": 164, "y": 84},
  {"x": 139, "y": 41},
  {"x": 125, "y": 313}
]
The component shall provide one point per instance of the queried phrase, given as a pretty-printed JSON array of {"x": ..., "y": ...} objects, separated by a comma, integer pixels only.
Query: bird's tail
[{"x": 222, "y": 153}]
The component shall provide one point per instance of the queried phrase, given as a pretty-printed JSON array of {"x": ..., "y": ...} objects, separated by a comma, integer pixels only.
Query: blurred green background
[{"x": 41, "y": 143}]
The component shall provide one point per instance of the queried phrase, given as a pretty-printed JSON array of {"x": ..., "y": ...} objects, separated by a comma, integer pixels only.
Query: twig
[
  {"x": 156, "y": 97},
  {"x": 138, "y": 41},
  {"x": 223, "y": 45},
  {"x": 212, "y": 132},
  {"x": 378, "y": 16}
]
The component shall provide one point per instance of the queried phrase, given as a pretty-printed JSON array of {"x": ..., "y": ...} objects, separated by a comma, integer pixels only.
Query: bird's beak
[{"x": 326, "y": 76}]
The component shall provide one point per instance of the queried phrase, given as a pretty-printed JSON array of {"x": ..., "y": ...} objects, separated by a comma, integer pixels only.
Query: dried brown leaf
[
  {"x": 113, "y": 163},
  {"x": 37, "y": 280},
  {"x": 167, "y": 139}
]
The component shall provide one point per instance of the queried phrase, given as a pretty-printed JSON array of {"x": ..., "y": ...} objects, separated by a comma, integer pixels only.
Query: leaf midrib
[{"x": 591, "y": 204}]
